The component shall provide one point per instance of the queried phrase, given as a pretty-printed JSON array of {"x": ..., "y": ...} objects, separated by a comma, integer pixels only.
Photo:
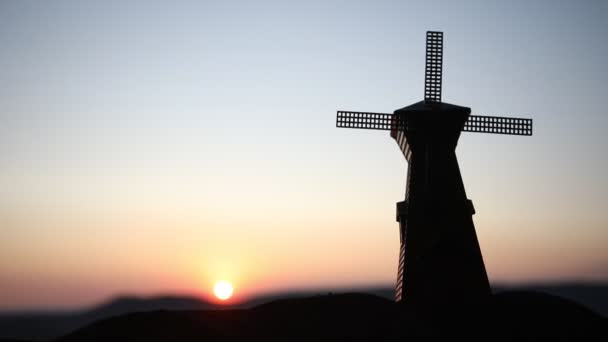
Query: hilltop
[
  {"x": 368, "y": 304},
  {"x": 357, "y": 317}
]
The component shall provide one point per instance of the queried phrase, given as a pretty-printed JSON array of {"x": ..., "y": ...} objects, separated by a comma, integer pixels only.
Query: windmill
[{"x": 439, "y": 260}]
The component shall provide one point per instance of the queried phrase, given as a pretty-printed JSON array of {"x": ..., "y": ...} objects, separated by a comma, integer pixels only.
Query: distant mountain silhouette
[
  {"x": 44, "y": 326},
  {"x": 593, "y": 296},
  {"x": 316, "y": 304}
]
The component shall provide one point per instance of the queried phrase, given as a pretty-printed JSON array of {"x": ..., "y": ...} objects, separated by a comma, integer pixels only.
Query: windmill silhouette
[{"x": 440, "y": 261}]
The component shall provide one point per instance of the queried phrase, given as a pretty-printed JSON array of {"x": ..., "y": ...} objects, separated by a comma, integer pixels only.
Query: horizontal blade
[
  {"x": 364, "y": 120},
  {"x": 498, "y": 125}
]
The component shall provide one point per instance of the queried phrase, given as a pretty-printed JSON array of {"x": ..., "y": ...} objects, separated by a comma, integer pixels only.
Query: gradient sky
[{"x": 157, "y": 147}]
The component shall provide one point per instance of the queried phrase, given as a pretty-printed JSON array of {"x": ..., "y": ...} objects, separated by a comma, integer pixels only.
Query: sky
[{"x": 158, "y": 147}]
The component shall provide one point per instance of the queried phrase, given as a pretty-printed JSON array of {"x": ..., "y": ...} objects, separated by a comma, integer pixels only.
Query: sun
[{"x": 223, "y": 290}]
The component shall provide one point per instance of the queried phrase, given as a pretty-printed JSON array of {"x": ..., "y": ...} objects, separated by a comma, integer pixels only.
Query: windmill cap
[{"x": 435, "y": 107}]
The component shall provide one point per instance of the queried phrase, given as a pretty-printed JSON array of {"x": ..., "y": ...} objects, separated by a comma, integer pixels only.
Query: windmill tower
[{"x": 440, "y": 261}]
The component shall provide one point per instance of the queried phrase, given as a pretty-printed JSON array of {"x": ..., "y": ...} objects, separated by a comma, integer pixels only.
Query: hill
[
  {"x": 358, "y": 317},
  {"x": 46, "y": 326}
]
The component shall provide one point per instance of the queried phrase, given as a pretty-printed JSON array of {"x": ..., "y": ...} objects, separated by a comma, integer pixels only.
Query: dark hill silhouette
[
  {"x": 345, "y": 315},
  {"x": 46, "y": 326},
  {"x": 358, "y": 317},
  {"x": 537, "y": 314}
]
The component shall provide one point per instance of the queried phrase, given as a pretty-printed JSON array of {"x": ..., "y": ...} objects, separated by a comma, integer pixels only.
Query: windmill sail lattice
[
  {"x": 434, "y": 66},
  {"x": 475, "y": 123}
]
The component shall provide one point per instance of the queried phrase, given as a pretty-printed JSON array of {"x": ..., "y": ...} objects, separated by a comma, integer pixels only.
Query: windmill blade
[
  {"x": 364, "y": 120},
  {"x": 434, "y": 66},
  {"x": 498, "y": 125}
]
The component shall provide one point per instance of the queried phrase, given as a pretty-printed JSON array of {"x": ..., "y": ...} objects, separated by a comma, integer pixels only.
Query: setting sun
[{"x": 223, "y": 290}]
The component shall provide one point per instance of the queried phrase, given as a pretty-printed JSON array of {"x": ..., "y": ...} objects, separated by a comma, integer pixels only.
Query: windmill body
[
  {"x": 439, "y": 258},
  {"x": 440, "y": 261}
]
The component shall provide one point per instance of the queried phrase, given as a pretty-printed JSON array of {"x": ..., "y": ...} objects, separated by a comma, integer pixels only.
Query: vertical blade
[{"x": 434, "y": 66}]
